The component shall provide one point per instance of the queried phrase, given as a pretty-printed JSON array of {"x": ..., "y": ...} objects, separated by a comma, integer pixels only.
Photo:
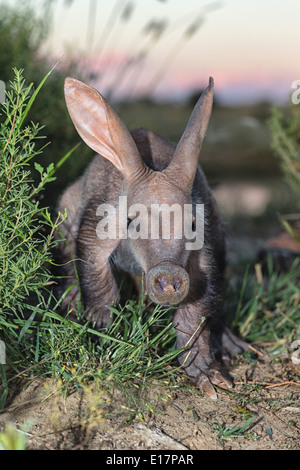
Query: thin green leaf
[{"x": 33, "y": 97}]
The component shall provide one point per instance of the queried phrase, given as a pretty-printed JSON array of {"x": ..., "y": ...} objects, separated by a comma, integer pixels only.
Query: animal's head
[{"x": 158, "y": 202}]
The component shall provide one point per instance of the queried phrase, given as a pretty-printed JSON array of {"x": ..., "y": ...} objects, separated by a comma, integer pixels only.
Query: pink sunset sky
[{"x": 250, "y": 47}]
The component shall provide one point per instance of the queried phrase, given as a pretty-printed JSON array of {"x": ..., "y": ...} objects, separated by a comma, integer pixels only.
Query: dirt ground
[{"x": 174, "y": 419}]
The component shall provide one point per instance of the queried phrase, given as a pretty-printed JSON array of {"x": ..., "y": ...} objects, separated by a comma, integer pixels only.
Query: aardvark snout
[{"x": 167, "y": 284}]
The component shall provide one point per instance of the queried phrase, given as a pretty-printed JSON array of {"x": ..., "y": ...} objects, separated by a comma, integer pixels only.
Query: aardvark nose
[{"x": 167, "y": 284}]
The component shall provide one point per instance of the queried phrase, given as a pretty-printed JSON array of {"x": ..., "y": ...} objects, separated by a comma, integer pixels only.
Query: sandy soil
[{"x": 179, "y": 418}]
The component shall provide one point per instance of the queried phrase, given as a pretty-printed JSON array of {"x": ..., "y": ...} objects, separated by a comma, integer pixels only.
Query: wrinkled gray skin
[{"x": 148, "y": 169}]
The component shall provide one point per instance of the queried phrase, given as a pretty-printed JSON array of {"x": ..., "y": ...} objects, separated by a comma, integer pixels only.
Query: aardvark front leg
[
  {"x": 193, "y": 334},
  {"x": 196, "y": 321},
  {"x": 98, "y": 286}
]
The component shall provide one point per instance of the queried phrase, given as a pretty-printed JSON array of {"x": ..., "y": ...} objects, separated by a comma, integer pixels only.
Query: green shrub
[
  {"x": 26, "y": 229},
  {"x": 285, "y": 142}
]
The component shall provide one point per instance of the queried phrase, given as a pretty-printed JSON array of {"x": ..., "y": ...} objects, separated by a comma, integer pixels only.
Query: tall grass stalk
[{"x": 268, "y": 310}]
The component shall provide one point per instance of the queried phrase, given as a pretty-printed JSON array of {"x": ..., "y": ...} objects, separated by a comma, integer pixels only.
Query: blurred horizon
[{"x": 167, "y": 49}]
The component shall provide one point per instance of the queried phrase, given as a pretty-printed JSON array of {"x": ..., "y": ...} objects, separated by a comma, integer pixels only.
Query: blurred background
[{"x": 151, "y": 59}]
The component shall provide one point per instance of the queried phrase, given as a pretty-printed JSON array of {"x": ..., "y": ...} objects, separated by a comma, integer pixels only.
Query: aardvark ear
[
  {"x": 100, "y": 127},
  {"x": 184, "y": 163}
]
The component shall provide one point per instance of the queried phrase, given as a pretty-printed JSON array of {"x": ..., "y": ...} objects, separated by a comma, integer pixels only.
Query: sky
[{"x": 250, "y": 47}]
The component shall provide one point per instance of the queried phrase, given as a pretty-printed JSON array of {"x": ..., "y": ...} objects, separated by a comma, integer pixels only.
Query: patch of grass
[
  {"x": 268, "y": 307},
  {"x": 12, "y": 439},
  {"x": 138, "y": 347},
  {"x": 225, "y": 432}
]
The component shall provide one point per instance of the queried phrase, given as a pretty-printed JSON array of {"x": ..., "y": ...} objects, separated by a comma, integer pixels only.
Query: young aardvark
[{"x": 150, "y": 172}]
